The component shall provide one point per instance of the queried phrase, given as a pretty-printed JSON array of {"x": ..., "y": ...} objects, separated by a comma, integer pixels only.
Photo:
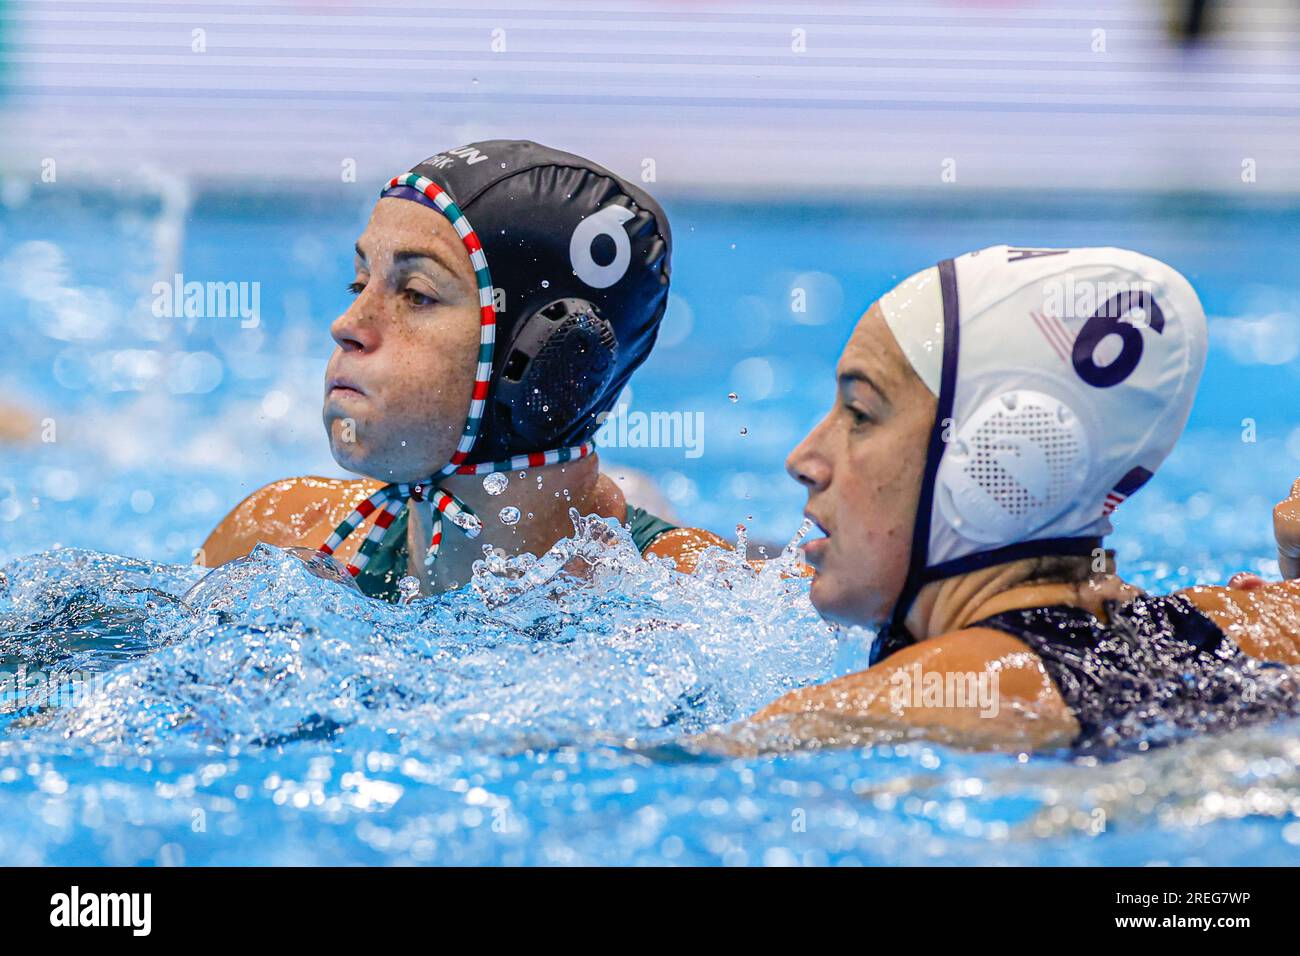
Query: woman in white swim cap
[{"x": 991, "y": 414}]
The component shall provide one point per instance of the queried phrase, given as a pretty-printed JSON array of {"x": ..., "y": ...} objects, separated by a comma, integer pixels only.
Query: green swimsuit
[{"x": 388, "y": 564}]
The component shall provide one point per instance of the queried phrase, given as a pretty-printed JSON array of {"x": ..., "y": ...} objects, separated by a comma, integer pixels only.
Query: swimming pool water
[{"x": 272, "y": 717}]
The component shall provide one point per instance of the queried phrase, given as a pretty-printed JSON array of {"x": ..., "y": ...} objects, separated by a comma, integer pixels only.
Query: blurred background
[{"x": 809, "y": 156}]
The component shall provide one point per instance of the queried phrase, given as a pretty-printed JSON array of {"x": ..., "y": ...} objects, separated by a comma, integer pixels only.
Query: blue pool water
[{"x": 268, "y": 716}]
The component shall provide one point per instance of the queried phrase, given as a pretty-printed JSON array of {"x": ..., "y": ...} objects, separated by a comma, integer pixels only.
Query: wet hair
[{"x": 1068, "y": 568}]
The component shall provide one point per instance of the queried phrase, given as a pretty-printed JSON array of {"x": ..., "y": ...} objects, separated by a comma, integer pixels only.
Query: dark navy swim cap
[{"x": 579, "y": 263}]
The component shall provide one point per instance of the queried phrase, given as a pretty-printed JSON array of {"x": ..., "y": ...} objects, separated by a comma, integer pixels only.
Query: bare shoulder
[
  {"x": 286, "y": 513},
  {"x": 1001, "y": 695},
  {"x": 685, "y": 545}
]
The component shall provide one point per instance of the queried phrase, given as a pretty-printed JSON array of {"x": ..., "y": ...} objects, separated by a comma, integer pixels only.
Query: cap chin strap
[{"x": 391, "y": 499}]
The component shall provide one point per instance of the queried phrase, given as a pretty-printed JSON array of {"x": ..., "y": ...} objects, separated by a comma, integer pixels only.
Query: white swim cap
[{"x": 1064, "y": 377}]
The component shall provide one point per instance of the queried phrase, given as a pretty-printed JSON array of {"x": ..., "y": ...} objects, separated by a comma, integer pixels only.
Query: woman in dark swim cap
[
  {"x": 505, "y": 292},
  {"x": 992, "y": 412}
]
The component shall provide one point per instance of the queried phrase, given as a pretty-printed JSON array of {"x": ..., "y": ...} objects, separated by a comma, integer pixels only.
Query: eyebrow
[
  {"x": 845, "y": 379},
  {"x": 406, "y": 256}
]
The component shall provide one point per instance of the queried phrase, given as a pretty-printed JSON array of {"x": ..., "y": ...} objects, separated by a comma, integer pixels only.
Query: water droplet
[
  {"x": 800, "y": 533},
  {"x": 495, "y": 483},
  {"x": 468, "y": 523},
  {"x": 509, "y": 515},
  {"x": 408, "y": 588},
  {"x": 733, "y": 397}
]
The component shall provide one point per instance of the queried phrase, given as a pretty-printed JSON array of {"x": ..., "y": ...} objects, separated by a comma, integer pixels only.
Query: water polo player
[
  {"x": 505, "y": 292},
  {"x": 964, "y": 481}
]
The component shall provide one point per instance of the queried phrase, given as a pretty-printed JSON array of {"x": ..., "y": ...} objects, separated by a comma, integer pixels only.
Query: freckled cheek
[
  {"x": 425, "y": 410},
  {"x": 416, "y": 364}
]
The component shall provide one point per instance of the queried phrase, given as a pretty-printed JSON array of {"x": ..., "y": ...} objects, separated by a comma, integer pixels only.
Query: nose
[
  {"x": 354, "y": 330},
  {"x": 807, "y": 465}
]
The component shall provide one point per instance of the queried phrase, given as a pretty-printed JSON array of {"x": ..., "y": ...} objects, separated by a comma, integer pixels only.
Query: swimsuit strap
[
  {"x": 645, "y": 527},
  {"x": 391, "y": 499}
]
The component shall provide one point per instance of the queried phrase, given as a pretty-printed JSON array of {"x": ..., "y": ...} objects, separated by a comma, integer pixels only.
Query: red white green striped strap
[
  {"x": 534, "y": 460},
  {"x": 487, "y": 310},
  {"x": 389, "y": 502},
  {"x": 391, "y": 499}
]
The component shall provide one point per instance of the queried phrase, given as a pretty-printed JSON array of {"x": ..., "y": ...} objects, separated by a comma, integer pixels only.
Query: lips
[{"x": 341, "y": 384}]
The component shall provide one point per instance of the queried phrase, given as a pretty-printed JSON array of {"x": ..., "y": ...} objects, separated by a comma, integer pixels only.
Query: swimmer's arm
[
  {"x": 685, "y": 545},
  {"x": 288, "y": 513},
  {"x": 1018, "y": 708},
  {"x": 1263, "y": 620}
]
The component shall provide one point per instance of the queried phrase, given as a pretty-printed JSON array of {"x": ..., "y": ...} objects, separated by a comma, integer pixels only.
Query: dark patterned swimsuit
[{"x": 1158, "y": 669}]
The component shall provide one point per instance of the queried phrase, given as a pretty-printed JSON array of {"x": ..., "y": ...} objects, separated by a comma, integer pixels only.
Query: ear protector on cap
[
  {"x": 560, "y": 362},
  {"x": 1012, "y": 466},
  {"x": 1064, "y": 377}
]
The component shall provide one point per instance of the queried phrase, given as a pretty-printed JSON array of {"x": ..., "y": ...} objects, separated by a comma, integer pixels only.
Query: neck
[
  {"x": 958, "y": 602},
  {"x": 542, "y": 496}
]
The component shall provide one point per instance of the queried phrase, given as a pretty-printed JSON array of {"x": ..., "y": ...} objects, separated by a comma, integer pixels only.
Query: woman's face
[
  {"x": 862, "y": 466},
  {"x": 398, "y": 387}
]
